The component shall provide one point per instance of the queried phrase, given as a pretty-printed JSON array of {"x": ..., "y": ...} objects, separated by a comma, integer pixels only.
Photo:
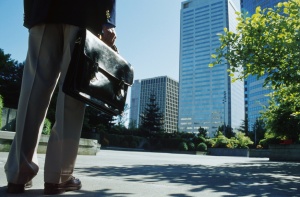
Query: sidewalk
[{"x": 143, "y": 174}]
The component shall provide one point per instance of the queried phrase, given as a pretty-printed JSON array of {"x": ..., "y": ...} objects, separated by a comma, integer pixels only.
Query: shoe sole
[
  {"x": 15, "y": 191},
  {"x": 53, "y": 191}
]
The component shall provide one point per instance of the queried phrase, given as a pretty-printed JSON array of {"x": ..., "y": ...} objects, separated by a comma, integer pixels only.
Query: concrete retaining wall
[
  {"x": 86, "y": 146},
  {"x": 260, "y": 153},
  {"x": 228, "y": 152},
  {"x": 283, "y": 152}
]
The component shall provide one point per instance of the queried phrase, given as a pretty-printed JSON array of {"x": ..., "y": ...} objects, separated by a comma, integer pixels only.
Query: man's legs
[{"x": 48, "y": 57}]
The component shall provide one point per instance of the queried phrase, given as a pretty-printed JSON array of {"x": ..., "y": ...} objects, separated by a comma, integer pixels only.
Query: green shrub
[
  {"x": 103, "y": 138},
  {"x": 133, "y": 144},
  {"x": 233, "y": 143},
  {"x": 183, "y": 146},
  {"x": 198, "y": 139},
  {"x": 158, "y": 145},
  {"x": 125, "y": 144},
  {"x": 191, "y": 146},
  {"x": 210, "y": 142},
  {"x": 126, "y": 141},
  {"x": 115, "y": 140},
  {"x": 47, "y": 127},
  {"x": 221, "y": 142},
  {"x": 133, "y": 141},
  {"x": 104, "y": 142},
  {"x": 171, "y": 143},
  {"x": 269, "y": 139},
  {"x": 201, "y": 147},
  {"x": 146, "y": 145},
  {"x": 243, "y": 141}
]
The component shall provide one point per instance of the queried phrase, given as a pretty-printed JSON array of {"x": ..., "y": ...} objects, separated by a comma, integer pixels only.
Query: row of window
[
  {"x": 157, "y": 80},
  {"x": 190, "y": 77},
  {"x": 198, "y": 88},
  {"x": 203, "y": 26},
  {"x": 213, "y": 37}
]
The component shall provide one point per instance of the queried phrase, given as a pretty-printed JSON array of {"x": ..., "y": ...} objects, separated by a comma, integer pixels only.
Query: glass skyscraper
[
  {"x": 134, "y": 112},
  {"x": 255, "y": 93},
  {"x": 207, "y": 97},
  {"x": 165, "y": 90}
]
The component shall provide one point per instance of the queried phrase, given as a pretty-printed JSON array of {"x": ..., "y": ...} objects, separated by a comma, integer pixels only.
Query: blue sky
[{"x": 147, "y": 30}]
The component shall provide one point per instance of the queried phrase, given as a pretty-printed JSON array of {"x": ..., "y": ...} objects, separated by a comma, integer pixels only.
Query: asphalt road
[{"x": 143, "y": 174}]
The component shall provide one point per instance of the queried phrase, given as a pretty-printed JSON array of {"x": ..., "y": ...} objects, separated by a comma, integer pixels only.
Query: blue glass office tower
[
  {"x": 207, "y": 98},
  {"x": 255, "y": 93}
]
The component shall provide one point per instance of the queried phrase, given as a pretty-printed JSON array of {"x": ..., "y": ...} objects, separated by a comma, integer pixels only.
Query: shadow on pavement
[
  {"x": 40, "y": 192},
  {"x": 237, "y": 179},
  {"x": 259, "y": 178}
]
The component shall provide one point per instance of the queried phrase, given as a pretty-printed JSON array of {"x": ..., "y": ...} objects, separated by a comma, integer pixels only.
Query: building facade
[
  {"x": 255, "y": 93},
  {"x": 134, "y": 111},
  {"x": 165, "y": 90},
  {"x": 207, "y": 98}
]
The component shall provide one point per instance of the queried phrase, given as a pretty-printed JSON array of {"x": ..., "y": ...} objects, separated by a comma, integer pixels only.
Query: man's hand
[{"x": 109, "y": 36}]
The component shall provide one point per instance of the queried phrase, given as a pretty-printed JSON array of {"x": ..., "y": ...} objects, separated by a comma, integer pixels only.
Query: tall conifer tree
[{"x": 152, "y": 119}]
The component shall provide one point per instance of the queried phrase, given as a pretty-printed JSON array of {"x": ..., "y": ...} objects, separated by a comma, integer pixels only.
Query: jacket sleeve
[{"x": 27, "y": 11}]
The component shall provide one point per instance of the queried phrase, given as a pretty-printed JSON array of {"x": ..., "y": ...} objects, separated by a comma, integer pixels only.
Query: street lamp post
[{"x": 224, "y": 101}]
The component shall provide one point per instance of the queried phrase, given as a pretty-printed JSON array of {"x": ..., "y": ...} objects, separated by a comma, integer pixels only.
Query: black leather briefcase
[{"x": 97, "y": 75}]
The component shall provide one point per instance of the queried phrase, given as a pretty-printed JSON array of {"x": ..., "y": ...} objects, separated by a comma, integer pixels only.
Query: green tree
[
  {"x": 267, "y": 43},
  {"x": 10, "y": 80},
  {"x": 282, "y": 114},
  {"x": 258, "y": 131},
  {"x": 202, "y": 132},
  {"x": 227, "y": 132},
  {"x": 95, "y": 120},
  {"x": 244, "y": 127},
  {"x": 152, "y": 119}
]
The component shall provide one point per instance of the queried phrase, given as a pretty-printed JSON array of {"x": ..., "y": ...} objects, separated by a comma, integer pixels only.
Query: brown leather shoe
[
  {"x": 18, "y": 188},
  {"x": 70, "y": 185}
]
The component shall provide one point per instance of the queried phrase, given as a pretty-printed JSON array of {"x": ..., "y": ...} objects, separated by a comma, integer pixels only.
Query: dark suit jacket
[{"x": 90, "y": 14}]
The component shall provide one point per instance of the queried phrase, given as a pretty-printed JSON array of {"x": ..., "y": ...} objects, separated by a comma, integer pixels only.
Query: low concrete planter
[
  {"x": 237, "y": 152},
  {"x": 86, "y": 146},
  {"x": 201, "y": 153},
  {"x": 282, "y": 152},
  {"x": 260, "y": 153}
]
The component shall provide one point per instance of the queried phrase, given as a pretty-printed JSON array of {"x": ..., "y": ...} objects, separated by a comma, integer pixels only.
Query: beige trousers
[{"x": 49, "y": 54}]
